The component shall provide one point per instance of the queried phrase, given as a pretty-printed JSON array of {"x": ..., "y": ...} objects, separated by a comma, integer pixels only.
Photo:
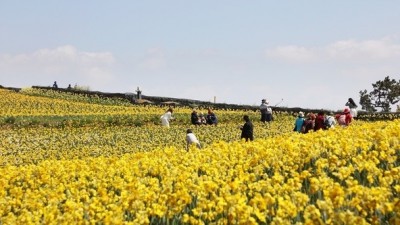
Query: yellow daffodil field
[{"x": 69, "y": 160}]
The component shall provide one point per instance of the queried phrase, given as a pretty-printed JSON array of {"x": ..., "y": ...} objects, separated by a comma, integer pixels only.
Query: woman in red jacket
[{"x": 345, "y": 118}]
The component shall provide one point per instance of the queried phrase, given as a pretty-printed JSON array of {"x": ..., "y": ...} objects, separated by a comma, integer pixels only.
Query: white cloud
[
  {"x": 65, "y": 63},
  {"x": 344, "y": 50},
  {"x": 62, "y": 55},
  {"x": 382, "y": 49},
  {"x": 292, "y": 53}
]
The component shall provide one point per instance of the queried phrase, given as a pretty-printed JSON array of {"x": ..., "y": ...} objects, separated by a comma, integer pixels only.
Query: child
[
  {"x": 191, "y": 139},
  {"x": 202, "y": 119}
]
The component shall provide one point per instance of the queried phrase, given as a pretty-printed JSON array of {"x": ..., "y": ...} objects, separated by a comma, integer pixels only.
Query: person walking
[{"x": 247, "y": 129}]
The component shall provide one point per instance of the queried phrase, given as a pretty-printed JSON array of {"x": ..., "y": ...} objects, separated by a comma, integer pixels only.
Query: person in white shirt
[
  {"x": 167, "y": 117},
  {"x": 330, "y": 121},
  {"x": 352, "y": 106},
  {"x": 191, "y": 139}
]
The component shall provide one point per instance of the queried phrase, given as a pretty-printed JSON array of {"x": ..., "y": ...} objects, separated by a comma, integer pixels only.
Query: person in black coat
[
  {"x": 211, "y": 118},
  {"x": 194, "y": 118},
  {"x": 247, "y": 129}
]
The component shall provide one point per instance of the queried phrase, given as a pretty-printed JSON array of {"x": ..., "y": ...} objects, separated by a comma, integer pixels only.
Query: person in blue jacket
[
  {"x": 298, "y": 124},
  {"x": 211, "y": 118}
]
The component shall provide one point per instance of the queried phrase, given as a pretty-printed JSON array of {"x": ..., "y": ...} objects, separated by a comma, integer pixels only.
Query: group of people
[
  {"x": 312, "y": 122},
  {"x": 248, "y": 128},
  {"x": 55, "y": 85},
  {"x": 321, "y": 121},
  {"x": 196, "y": 119},
  {"x": 200, "y": 119},
  {"x": 210, "y": 119},
  {"x": 326, "y": 121},
  {"x": 247, "y": 134}
]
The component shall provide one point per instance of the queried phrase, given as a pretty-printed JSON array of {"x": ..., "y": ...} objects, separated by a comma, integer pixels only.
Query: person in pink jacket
[{"x": 344, "y": 119}]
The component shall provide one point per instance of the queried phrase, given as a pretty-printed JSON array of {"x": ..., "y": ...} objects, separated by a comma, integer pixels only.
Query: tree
[
  {"x": 365, "y": 101},
  {"x": 385, "y": 94}
]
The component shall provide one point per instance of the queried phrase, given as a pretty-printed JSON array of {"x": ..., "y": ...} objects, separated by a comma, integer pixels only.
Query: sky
[{"x": 310, "y": 54}]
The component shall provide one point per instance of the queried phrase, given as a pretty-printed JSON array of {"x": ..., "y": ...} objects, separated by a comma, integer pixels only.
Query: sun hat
[
  {"x": 346, "y": 110},
  {"x": 301, "y": 114},
  {"x": 265, "y": 101}
]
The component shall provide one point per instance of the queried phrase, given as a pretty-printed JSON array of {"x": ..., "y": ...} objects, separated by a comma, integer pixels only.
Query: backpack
[
  {"x": 342, "y": 119},
  {"x": 269, "y": 110}
]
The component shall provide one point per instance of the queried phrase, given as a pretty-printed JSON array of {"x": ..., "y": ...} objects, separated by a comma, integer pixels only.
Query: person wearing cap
[
  {"x": 298, "y": 124},
  {"x": 344, "y": 119},
  {"x": 266, "y": 111},
  {"x": 191, "y": 139}
]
